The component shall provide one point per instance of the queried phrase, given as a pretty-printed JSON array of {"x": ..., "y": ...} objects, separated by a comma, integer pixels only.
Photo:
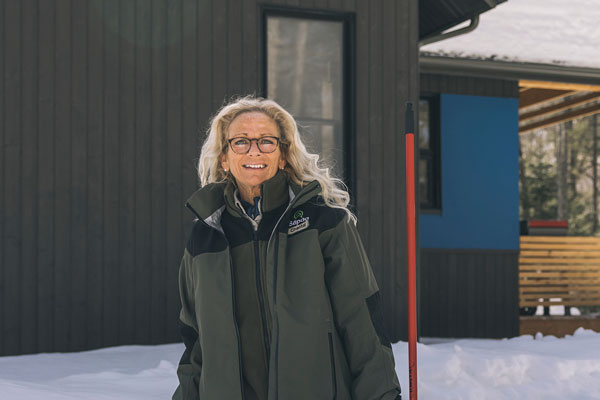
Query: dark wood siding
[
  {"x": 435, "y": 83},
  {"x": 469, "y": 293},
  {"x": 103, "y": 105},
  {"x": 12, "y": 171},
  {"x": 29, "y": 182}
]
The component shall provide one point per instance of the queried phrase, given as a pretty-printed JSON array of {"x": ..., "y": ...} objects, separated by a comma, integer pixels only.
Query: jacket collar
[
  {"x": 209, "y": 202},
  {"x": 273, "y": 194}
]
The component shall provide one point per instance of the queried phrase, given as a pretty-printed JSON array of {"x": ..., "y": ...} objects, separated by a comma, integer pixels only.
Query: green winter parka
[{"x": 294, "y": 301}]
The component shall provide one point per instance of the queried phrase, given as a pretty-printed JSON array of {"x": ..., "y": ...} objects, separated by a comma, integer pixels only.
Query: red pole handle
[{"x": 411, "y": 251}]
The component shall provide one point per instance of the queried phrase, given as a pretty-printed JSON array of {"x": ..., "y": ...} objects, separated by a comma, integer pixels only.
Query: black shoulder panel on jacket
[
  {"x": 269, "y": 220},
  {"x": 205, "y": 239},
  {"x": 318, "y": 215},
  {"x": 237, "y": 229},
  {"x": 374, "y": 305}
]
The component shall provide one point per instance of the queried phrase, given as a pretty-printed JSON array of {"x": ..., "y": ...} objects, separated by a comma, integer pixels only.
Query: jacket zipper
[
  {"x": 275, "y": 316},
  {"x": 261, "y": 298},
  {"x": 237, "y": 329},
  {"x": 332, "y": 359}
]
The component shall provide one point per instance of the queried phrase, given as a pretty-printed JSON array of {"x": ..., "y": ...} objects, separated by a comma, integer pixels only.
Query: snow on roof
[{"x": 560, "y": 32}]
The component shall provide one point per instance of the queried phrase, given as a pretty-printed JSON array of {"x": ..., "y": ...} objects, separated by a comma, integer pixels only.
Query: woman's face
[{"x": 254, "y": 167}]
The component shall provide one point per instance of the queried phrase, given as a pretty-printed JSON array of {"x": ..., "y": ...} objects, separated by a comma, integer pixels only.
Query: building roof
[
  {"x": 554, "y": 32},
  {"x": 549, "y": 46}
]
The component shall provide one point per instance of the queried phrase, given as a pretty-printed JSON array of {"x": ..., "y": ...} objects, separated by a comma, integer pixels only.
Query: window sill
[{"x": 430, "y": 211}]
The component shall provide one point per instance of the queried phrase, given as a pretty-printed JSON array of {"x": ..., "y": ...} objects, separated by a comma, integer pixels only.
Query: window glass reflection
[
  {"x": 305, "y": 75},
  {"x": 424, "y": 124},
  {"x": 423, "y": 179}
]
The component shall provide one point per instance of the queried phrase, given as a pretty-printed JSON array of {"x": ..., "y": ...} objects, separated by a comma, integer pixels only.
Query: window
[
  {"x": 307, "y": 62},
  {"x": 429, "y": 152}
]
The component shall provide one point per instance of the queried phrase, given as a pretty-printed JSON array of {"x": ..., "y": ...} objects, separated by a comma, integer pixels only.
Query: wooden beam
[
  {"x": 556, "y": 325},
  {"x": 560, "y": 86},
  {"x": 523, "y": 89},
  {"x": 536, "y": 96},
  {"x": 559, "y": 288},
  {"x": 560, "y": 239},
  {"x": 550, "y": 282},
  {"x": 560, "y": 106},
  {"x": 584, "y": 112}
]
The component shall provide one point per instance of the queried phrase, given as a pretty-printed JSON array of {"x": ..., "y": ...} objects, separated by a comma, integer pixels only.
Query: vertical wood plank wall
[
  {"x": 469, "y": 293},
  {"x": 103, "y": 106}
]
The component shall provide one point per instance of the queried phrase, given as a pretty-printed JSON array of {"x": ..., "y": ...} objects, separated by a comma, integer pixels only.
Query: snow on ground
[
  {"x": 126, "y": 372},
  {"x": 539, "y": 31},
  {"x": 557, "y": 310},
  {"x": 519, "y": 368}
]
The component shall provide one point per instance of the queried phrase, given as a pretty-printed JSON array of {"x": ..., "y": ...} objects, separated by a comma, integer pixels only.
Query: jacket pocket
[{"x": 332, "y": 360}]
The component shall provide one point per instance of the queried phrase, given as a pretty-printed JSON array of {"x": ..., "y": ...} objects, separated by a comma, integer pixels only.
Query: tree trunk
[
  {"x": 525, "y": 205},
  {"x": 561, "y": 176},
  {"x": 595, "y": 174},
  {"x": 573, "y": 172}
]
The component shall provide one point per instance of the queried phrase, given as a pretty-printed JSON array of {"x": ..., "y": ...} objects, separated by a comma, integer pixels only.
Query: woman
[{"x": 278, "y": 298}]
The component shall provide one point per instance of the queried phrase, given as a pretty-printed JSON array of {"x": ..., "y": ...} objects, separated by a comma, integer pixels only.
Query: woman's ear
[
  {"x": 224, "y": 162},
  {"x": 282, "y": 163}
]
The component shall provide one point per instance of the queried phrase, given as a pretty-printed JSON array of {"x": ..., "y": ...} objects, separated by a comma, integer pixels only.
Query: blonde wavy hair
[{"x": 301, "y": 166}]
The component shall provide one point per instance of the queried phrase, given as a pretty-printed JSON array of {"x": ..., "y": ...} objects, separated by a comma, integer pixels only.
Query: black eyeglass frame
[{"x": 278, "y": 142}]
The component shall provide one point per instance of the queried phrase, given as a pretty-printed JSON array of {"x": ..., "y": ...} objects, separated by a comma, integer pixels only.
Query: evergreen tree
[
  {"x": 540, "y": 176},
  {"x": 558, "y": 176}
]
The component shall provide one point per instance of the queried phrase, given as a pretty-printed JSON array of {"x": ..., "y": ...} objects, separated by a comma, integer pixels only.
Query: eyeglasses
[{"x": 266, "y": 144}]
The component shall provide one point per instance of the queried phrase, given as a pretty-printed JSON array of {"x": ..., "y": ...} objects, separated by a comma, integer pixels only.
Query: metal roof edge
[{"x": 508, "y": 70}]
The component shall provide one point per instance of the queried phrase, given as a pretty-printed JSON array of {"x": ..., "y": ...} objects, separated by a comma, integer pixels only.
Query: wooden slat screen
[{"x": 559, "y": 270}]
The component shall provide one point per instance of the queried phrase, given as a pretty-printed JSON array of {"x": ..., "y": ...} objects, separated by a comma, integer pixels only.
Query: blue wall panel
[{"x": 480, "y": 175}]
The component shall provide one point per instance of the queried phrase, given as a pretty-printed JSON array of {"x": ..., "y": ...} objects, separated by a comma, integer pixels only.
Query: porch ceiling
[{"x": 543, "y": 104}]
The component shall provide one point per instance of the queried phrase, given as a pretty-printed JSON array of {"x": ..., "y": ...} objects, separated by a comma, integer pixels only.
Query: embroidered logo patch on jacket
[{"x": 299, "y": 223}]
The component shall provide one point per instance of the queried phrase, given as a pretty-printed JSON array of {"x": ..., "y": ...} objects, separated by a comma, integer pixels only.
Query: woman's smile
[{"x": 254, "y": 166}]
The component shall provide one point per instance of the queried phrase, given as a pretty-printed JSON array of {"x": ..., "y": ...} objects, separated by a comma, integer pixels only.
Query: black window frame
[
  {"x": 432, "y": 156},
  {"x": 348, "y": 20}
]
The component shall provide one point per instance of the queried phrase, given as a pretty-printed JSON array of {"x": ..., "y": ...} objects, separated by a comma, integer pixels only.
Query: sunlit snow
[
  {"x": 563, "y": 32},
  {"x": 519, "y": 368}
]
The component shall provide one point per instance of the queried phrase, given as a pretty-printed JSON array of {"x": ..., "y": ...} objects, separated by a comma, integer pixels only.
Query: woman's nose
[{"x": 254, "y": 147}]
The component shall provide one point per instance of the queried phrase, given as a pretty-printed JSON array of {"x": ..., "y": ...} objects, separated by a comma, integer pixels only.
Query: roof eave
[
  {"x": 453, "y": 12},
  {"x": 508, "y": 70}
]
